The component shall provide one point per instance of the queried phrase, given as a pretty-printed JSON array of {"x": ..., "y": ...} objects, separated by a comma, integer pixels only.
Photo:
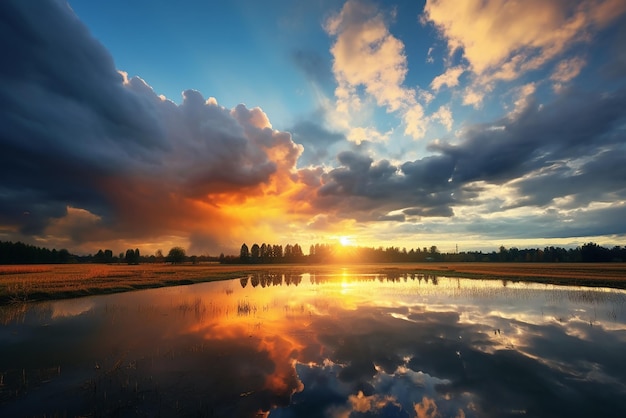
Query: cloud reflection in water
[{"x": 311, "y": 345}]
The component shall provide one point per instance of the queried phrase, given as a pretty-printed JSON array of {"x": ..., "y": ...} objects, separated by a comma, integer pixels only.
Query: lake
[{"x": 320, "y": 345}]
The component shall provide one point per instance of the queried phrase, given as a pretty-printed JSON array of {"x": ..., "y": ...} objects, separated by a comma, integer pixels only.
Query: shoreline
[{"x": 33, "y": 283}]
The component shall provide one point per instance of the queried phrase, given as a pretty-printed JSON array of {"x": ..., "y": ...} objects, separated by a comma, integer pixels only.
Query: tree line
[
  {"x": 176, "y": 255},
  {"x": 325, "y": 253},
  {"x": 20, "y": 253}
]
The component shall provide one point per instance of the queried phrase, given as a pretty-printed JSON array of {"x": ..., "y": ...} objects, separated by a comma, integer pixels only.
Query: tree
[
  {"x": 99, "y": 257},
  {"x": 255, "y": 253},
  {"x": 297, "y": 251},
  {"x": 244, "y": 254},
  {"x": 132, "y": 256},
  {"x": 176, "y": 255}
]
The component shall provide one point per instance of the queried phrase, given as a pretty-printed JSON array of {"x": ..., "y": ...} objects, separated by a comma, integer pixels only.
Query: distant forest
[{"x": 20, "y": 253}]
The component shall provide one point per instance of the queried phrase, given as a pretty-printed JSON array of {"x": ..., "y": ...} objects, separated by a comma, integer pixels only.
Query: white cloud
[
  {"x": 367, "y": 55},
  {"x": 359, "y": 134},
  {"x": 449, "y": 78},
  {"x": 444, "y": 116},
  {"x": 429, "y": 56},
  {"x": 502, "y": 40},
  {"x": 473, "y": 97},
  {"x": 507, "y": 38},
  {"x": 415, "y": 122}
]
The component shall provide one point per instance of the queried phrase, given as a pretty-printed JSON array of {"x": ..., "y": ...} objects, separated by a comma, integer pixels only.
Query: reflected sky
[{"x": 320, "y": 345}]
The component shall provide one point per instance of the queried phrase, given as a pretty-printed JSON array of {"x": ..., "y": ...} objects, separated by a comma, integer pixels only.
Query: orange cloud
[
  {"x": 427, "y": 408},
  {"x": 566, "y": 71}
]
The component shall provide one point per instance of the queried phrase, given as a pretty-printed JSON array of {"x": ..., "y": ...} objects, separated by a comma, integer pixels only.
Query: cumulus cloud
[
  {"x": 359, "y": 135},
  {"x": 443, "y": 115},
  {"x": 367, "y": 55},
  {"x": 502, "y": 40},
  {"x": 85, "y": 145},
  {"x": 518, "y": 36}
]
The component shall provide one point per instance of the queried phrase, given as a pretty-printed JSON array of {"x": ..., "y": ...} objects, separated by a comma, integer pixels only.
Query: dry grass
[
  {"x": 572, "y": 273},
  {"x": 22, "y": 283},
  {"x": 40, "y": 282}
]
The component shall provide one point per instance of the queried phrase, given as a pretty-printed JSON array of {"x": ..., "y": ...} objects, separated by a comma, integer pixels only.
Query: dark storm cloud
[
  {"x": 616, "y": 67},
  {"x": 573, "y": 147},
  {"x": 593, "y": 180},
  {"x": 420, "y": 187},
  {"x": 76, "y": 132}
]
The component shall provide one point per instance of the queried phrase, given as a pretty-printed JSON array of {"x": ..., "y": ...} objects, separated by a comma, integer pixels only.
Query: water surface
[{"x": 312, "y": 345}]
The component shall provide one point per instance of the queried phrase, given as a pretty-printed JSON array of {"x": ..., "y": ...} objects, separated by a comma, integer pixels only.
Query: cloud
[
  {"x": 427, "y": 408},
  {"x": 562, "y": 155},
  {"x": 449, "y": 78},
  {"x": 566, "y": 70},
  {"x": 84, "y": 144},
  {"x": 442, "y": 364},
  {"x": 360, "y": 135},
  {"x": 317, "y": 141},
  {"x": 369, "y": 190},
  {"x": 365, "y": 54},
  {"x": 507, "y": 38},
  {"x": 91, "y": 154},
  {"x": 429, "y": 56},
  {"x": 616, "y": 67},
  {"x": 502, "y": 40},
  {"x": 443, "y": 115}
]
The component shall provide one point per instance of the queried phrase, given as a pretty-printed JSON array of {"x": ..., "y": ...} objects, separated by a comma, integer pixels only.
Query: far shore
[{"x": 29, "y": 283}]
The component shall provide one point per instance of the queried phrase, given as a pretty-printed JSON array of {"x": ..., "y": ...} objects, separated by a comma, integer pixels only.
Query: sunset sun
[{"x": 345, "y": 241}]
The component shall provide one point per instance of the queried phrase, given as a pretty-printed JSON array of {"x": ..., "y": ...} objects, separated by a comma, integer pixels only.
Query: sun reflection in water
[{"x": 297, "y": 340}]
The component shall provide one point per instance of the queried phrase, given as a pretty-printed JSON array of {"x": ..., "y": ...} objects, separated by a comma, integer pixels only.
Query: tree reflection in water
[{"x": 313, "y": 344}]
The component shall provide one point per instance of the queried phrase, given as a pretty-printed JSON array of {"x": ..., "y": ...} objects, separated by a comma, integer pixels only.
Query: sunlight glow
[{"x": 345, "y": 241}]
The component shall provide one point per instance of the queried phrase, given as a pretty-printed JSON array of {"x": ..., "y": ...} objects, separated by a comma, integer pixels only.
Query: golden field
[{"x": 19, "y": 283}]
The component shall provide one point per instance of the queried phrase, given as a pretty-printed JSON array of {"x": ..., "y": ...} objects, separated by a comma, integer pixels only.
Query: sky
[{"x": 469, "y": 125}]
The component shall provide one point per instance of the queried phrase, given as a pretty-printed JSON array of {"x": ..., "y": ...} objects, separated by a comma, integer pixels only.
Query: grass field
[{"x": 22, "y": 283}]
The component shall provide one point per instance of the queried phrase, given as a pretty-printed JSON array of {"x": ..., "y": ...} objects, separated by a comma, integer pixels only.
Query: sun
[{"x": 345, "y": 241}]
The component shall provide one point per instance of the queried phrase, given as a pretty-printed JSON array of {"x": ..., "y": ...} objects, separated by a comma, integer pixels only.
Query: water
[{"x": 311, "y": 345}]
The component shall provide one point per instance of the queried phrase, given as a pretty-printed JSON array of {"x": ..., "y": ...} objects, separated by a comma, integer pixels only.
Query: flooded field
[{"x": 329, "y": 344}]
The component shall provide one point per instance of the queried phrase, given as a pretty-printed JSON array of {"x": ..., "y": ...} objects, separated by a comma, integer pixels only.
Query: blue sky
[{"x": 205, "y": 124}]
